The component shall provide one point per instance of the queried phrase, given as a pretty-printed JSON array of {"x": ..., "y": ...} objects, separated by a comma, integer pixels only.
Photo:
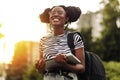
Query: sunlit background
[{"x": 19, "y": 21}]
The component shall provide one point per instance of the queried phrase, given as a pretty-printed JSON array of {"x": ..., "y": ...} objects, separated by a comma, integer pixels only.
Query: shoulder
[
  {"x": 43, "y": 40},
  {"x": 46, "y": 37},
  {"x": 75, "y": 34},
  {"x": 77, "y": 37}
]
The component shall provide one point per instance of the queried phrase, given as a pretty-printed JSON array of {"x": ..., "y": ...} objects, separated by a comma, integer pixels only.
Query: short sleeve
[
  {"x": 78, "y": 42},
  {"x": 41, "y": 46}
]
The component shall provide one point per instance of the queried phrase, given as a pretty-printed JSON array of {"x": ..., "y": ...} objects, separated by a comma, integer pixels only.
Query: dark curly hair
[{"x": 72, "y": 12}]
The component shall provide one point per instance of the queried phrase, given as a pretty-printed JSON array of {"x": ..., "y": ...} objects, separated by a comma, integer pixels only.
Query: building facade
[{"x": 93, "y": 20}]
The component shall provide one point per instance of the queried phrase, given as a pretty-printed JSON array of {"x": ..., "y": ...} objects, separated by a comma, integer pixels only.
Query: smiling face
[{"x": 57, "y": 16}]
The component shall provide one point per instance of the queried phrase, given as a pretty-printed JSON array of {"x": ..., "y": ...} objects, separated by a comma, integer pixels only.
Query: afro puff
[
  {"x": 73, "y": 13},
  {"x": 44, "y": 17}
]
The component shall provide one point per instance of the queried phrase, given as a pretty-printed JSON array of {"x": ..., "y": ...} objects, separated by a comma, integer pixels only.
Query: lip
[{"x": 55, "y": 19}]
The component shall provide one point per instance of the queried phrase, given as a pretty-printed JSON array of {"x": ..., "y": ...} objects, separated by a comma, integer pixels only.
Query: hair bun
[
  {"x": 73, "y": 13},
  {"x": 44, "y": 17}
]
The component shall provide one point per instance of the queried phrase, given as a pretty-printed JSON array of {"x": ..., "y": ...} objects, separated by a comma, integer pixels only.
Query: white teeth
[{"x": 56, "y": 19}]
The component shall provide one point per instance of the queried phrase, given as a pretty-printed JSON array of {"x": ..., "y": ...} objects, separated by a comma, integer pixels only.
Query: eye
[
  {"x": 54, "y": 12},
  {"x": 60, "y": 12}
]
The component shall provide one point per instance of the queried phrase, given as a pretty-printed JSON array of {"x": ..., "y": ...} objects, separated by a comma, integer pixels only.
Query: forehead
[{"x": 57, "y": 8}]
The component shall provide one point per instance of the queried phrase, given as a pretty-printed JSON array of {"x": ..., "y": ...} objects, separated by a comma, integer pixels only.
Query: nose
[{"x": 55, "y": 13}]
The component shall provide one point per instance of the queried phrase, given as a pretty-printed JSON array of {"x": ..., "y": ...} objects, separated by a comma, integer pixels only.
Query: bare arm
[
  {"x": 40, "y": 63},
  {"x": 79, "y": 53}
]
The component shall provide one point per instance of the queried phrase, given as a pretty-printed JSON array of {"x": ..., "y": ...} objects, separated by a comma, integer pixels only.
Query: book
[
  {"x": 50, "y": 63},
  {"x": 71, "y": 59}
]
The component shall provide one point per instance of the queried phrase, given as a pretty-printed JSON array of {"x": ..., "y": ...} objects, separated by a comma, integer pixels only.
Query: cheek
[
  {"x": 50, "y": 20},
  {"x": 64, "y": 20}
]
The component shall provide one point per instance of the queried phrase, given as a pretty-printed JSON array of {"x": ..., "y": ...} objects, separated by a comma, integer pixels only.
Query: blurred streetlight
[{"x": 118, "y": 22}]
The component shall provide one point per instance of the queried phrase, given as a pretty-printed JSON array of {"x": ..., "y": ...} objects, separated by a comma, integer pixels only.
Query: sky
[
  {"x": 19, "y": 16},
  {"x": 19, "y": 19}
]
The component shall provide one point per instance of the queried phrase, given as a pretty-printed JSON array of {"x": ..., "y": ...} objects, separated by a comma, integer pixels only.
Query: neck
[{"x": 59, "y": 30}]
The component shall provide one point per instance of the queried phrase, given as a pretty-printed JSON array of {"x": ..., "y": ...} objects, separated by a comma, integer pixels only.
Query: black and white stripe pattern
[
  {"x": 78, "y": 41},
  {"x": 52, "y": 45}
]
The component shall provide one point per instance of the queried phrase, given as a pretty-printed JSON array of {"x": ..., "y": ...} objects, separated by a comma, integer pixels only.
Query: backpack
[{"x": 94, "y": 68}]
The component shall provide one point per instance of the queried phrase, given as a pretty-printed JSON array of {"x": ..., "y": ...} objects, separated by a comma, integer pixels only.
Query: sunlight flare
[{"x": 20, "y": 21}]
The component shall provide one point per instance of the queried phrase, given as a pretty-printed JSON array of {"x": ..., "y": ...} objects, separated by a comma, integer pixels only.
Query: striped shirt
[{"x": 52, "y": 45}]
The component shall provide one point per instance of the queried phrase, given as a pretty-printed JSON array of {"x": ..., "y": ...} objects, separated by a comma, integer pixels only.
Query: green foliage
[
  {"x": 112, "y": 70},
  {"x": 32, "y": 74},
  {"x": 107, "y": 47},
  {"x": 110, "y": 42},
  {"x": 87, "y": 35}
]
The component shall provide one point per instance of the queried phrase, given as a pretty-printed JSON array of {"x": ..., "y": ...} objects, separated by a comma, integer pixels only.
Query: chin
[{"x": 56, "y": 24}]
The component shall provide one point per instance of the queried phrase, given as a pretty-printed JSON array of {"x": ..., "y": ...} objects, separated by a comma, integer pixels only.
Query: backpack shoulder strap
[{"x": 70, "y": 41}]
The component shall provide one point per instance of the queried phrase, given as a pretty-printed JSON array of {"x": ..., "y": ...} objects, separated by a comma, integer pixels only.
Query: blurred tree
[
  {"x": 111, "y": 34},
  {"x": 87, "y": 37},
  {"x": 85, "y": 27},
  {"x": 32, "y": 74},
  {"x": 86, "y": 34},
  {"x": 18, "y": 65},
  {"x": 112, "y": 70}
]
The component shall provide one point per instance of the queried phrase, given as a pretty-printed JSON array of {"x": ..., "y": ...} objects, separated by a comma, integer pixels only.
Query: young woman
[{"x": 55, "y": 45}]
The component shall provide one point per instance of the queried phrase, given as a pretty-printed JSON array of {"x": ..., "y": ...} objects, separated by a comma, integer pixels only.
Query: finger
[{"x": 41, "y": 63}]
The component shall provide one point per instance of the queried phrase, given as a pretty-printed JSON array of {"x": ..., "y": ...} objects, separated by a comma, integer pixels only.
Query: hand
[
  {"x": 40, "y": 65},
  {"x": 60, "y": 58}
]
